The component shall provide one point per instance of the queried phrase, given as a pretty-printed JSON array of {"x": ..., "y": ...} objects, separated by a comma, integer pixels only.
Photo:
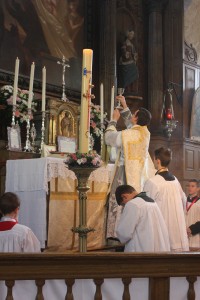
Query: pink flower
[
  {"x": 95, "y": 161},
  {"x": 24, "y": 92},
  {"x": 97, "y": 107},
  {"x": 83, "y": 160},
  {"x": 74, "y": 156},
  {"x": 17, "y": 114},
  {"x": 93, "y": 124},
  {"x": 10, "y": 100},
  {"x": 19, "y": 99},
  {"x": 91, "y": 115}
]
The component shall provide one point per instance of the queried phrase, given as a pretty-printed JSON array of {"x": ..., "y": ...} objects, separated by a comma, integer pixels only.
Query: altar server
[
  {"x": 192, "y": 214},
  {"x": 141, "y": 226},
  {"x": 166, "y": 190},
  {"x": 133, "y": 163},
  {"x": 14, "y": 237}
]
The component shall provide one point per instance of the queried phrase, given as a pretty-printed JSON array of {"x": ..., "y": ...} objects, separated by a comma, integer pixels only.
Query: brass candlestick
[{"x": 82, "y": 174}]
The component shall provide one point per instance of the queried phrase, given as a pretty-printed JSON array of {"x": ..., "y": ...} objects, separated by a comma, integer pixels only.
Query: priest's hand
[
  {"x": 116, "y": 115},
  {"x": 122, "y": 100}
]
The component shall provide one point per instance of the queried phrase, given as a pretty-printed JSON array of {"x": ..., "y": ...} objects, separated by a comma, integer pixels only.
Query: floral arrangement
[
  {"x": 95, "y": 120},
  {"x": 6, "y": 101},
  {"x": 90, "y": 159}
]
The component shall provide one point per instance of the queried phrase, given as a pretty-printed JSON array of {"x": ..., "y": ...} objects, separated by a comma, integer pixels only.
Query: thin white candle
[
  {"x": 84, "y": 133},
  {"x": 43, "y": 88},
  {"x": 15, "y": 88},
  {"x": 101, "y": 102},
  {"x": 30, "y": 96},
  {"x": 112, "y": 102}
]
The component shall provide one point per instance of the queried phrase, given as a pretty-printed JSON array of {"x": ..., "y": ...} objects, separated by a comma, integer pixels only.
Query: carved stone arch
[{"x": 190, "y": 53}]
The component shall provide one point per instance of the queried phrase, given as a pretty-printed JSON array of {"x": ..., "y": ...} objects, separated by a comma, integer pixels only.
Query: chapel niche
[{"x": 62, "y": 120}]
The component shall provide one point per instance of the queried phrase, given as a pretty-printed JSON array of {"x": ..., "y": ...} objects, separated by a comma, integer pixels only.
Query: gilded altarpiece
[{"x": 62, "y": 120}]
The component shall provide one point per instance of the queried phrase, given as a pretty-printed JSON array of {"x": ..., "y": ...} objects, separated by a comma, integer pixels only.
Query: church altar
[{"x": 51, "y": 218}]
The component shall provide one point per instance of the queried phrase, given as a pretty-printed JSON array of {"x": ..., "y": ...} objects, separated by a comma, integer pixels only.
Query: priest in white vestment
[
  {"x": 14, "y": 237},
  {"x": 133, "y": 164},
  {"x": 166, "y": 190},
  {"x": 141, "y": 227}
]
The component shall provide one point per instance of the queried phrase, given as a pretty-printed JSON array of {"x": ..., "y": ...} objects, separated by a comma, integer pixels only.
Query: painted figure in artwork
[
  {"x": 67, "y": 125},
  {"x": 127, "y": 68}
]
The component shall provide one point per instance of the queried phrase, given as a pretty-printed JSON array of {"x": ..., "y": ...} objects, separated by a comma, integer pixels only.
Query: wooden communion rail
[{"x": 99, "y": 266}]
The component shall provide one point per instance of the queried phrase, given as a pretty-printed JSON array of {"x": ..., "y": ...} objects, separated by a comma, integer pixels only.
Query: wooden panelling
[
  {"x": 189, "y": 159},
  {"x": 189, "y": 90},
  {"x": 198, "y": 155}
]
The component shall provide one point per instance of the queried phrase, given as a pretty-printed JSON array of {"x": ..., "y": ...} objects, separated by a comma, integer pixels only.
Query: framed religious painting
[
  {"x": 49, "y": 33},
  {"x": 14, "y": 139}
]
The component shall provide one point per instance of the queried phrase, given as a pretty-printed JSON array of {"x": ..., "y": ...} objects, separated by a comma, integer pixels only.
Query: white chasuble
[{"x": 135, "y": 145}]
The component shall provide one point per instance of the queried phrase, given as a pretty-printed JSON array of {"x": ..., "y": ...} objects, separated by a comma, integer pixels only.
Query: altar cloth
[{"x": 30, "y": 178}]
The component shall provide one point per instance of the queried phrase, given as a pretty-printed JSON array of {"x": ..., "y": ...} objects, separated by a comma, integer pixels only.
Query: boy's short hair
[
  {"x": 123, "y": 189},
  {"x": 164, "y": 155},
  {"x": 144, "y": 116},
  {"x": 195, "y": 180},
  {"x": 8, "y": 203}
]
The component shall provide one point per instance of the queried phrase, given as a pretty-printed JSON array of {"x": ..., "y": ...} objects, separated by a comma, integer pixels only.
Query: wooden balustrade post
[
  {"x": 98, "y": 283},
  {"x": 191, "y": 291},
  {"x": 159, "y": 288},
  {"x": 9, "y": 284},
  {"x": 126, "y": 293},
  {"x": 39, "y": 283},
  {"x": 69, "y": 283}
]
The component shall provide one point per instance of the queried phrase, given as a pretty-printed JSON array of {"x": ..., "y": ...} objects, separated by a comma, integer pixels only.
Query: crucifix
[{"x": 64, "y": 65}]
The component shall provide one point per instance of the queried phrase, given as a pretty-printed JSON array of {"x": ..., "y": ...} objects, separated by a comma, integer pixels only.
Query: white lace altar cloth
[{"x": 57, "y": 168}]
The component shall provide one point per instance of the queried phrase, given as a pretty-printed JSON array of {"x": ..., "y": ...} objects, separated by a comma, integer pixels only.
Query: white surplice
[
  {"x": 171, "y": 200},
  {"x": 142, "y": 227},
  {"x": 18, "y": 239},
  {"x": 192, "y": 216}
]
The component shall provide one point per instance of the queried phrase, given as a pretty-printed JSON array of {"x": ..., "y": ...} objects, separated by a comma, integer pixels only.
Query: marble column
[{"x": 155, "y": 61}]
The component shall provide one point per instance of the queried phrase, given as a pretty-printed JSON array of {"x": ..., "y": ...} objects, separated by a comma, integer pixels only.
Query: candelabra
[
  {"x": 42, "y": 132},
  {"x": 13, "y": 115},
  {"x": 28, "y": 147}
]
